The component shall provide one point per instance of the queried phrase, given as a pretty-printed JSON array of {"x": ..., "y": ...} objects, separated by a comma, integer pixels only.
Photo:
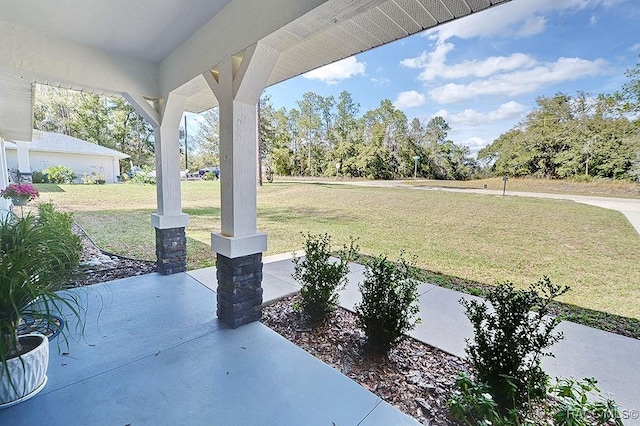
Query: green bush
[
  {"x": 60, "y": 174},
  {"x": 576, "y": 405},
  {"x": 65, "y": 253},
  {"x": 209, "y": 176},
  {"x": 144, "y": 177},
  {"x": 510, "y": 341},
  {"x": 320, "y": 276},
  {"x": 472, "y": 404},
  {"x": 389, "y": 302},
  {"x": 38, "y": 177}
]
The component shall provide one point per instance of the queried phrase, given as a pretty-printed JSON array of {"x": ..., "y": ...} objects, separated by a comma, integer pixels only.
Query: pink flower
[{"x": 20, "y": 190}]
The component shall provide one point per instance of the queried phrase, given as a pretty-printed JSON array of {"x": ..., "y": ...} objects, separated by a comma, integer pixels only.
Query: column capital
[
  {"x": 233, "y": 247},
  {"x": 162, "y": 221}
]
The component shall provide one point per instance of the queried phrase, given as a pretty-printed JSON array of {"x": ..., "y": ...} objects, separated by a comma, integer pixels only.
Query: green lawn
[{"x": 475, "y": 237}]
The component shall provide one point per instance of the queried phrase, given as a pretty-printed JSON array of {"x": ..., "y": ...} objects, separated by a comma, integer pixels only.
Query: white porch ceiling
[
  {"x": 147, "y": 30},
  {"x": 16, "y": 108},
  {"x": 149, "y": 48}
]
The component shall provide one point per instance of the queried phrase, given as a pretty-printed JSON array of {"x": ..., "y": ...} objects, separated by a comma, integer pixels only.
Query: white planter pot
[{"x": 28, "y": 373}]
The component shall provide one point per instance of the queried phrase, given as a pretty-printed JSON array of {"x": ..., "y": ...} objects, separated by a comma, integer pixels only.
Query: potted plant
[
  {"x": 99, "y": 178},
  {"x": 20, "y": 193},
  {"x": 36, "y": 251}
]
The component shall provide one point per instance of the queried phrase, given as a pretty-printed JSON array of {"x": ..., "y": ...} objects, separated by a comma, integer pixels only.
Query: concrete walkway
[
  {"x": 630, "y": 207},
  {"x": 585, "y": 352}
]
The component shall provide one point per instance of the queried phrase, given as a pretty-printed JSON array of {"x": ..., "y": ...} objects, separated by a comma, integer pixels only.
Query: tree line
[
  {"x": 565, "y": 136},
  {"x": 581, "y": 136},
  {"x": 325, "y": 136}
]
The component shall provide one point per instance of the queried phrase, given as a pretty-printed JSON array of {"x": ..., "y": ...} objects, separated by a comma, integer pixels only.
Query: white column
[
  {"x": 237, "y": 84},
  {"x": 5, "y": 204},
  {"x": 22, "y": 149},
  {"x": 164, "y": 115}
]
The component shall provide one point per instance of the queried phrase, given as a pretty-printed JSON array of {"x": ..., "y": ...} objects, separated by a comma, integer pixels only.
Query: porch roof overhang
[{"x": 148, "y": 48}]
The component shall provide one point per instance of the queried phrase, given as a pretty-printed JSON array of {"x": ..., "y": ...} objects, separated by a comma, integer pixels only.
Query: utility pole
[{"x": 186, "y": 149}]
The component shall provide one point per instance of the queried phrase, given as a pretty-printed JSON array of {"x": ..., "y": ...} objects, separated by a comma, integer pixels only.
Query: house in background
[{"x": 52, "y": 149}]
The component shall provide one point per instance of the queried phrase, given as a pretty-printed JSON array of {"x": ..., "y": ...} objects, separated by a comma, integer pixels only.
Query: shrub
[
  {"x": 576, "y": 405},
  {"x": 65, "y": 253},
  {"x": 60, "y": 174},
  {"x": 320, "y": 276},
  {"x": 509, "y": 343},
  {"x": 472, "y": 404},
  {"x": 38, "y": 177},
  {"x": 209, "y": 176},
  {"x": 144, "y": 176},
  {"x": 389, "y": 302}
]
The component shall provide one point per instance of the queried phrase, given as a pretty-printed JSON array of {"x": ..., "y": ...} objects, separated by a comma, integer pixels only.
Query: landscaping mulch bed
[
  {"x": 110, "y": 267},
  {"x": 415, "y": 378}
]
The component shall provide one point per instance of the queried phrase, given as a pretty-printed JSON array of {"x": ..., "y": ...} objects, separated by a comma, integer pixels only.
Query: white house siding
[{"x": 79, "y": 163}]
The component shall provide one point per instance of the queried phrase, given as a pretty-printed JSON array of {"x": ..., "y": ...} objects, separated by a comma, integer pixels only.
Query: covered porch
[
  {"x": 161, "y": 349},
  {"x": 166, "y": 59},
  {"x": 154, "y": 353}
]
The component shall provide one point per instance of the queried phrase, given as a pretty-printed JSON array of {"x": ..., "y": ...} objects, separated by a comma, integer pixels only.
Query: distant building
[{"x": 51, "y": 149}]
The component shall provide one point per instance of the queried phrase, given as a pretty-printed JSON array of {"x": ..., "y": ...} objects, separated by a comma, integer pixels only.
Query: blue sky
[{"x": 483, "y": 73}]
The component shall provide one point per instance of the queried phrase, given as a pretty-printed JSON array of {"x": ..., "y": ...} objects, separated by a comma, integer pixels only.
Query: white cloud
[
  {"x": 475, "y": 144},
  {"x": 635, "y": 47},
  {"x": 409, "y": 99},
  {"x": 473, "y": 118},
  {"x": 532, "y": 25},
  {"x": 380, "y": 81},
  {"x": 515, "y": 18},
  {"x": 433, "y": 64},
  {"x": 520, "y": 81},
  {"x": 593, "y": 20},
  {"x": 337, "y": 71}
]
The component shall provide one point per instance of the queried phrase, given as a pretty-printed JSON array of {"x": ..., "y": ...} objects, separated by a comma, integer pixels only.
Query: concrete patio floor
[{"x": 154, "y": 353}]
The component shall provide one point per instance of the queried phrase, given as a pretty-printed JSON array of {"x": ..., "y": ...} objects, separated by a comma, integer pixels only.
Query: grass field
[{"x": 476, "y": 237}]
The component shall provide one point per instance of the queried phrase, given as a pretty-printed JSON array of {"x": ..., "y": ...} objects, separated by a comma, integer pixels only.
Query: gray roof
[{"x": 58, "y": 142}]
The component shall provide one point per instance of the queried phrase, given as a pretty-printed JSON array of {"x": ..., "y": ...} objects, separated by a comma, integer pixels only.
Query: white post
[
  {"x": 169, "y": 221},
  {"x": 237, "y": 86},
  {"x": 24, "y": 164},
  {"x": 5, "y": 204}
]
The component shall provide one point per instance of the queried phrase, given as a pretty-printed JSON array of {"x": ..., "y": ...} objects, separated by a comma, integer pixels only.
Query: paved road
[{"x": 628, "y": 206}]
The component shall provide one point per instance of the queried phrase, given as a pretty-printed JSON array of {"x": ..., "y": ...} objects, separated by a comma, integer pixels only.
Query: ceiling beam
[{"x": 230, "y": 32}]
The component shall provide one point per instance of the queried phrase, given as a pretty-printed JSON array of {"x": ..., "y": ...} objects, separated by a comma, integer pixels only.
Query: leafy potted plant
[
  {"x": 20, "y": 193},
  {"x": 36, "y": 251}
]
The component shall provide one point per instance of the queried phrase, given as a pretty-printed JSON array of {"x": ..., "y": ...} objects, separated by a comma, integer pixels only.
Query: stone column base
[
  {"x": 239, "y": 289},
  {"x": 171, "y": 250}
]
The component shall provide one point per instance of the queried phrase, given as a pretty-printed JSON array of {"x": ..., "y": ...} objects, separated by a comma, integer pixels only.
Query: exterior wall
[{"x": 79, "y": 163}]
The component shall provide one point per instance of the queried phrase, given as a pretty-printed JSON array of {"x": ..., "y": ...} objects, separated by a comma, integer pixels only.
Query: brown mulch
[{"x": 415, "y": 378}]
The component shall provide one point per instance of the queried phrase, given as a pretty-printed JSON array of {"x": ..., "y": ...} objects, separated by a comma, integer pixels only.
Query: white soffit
[
  {"x": 338, "y": 29},
  {"x": 16, "y": 108}
]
